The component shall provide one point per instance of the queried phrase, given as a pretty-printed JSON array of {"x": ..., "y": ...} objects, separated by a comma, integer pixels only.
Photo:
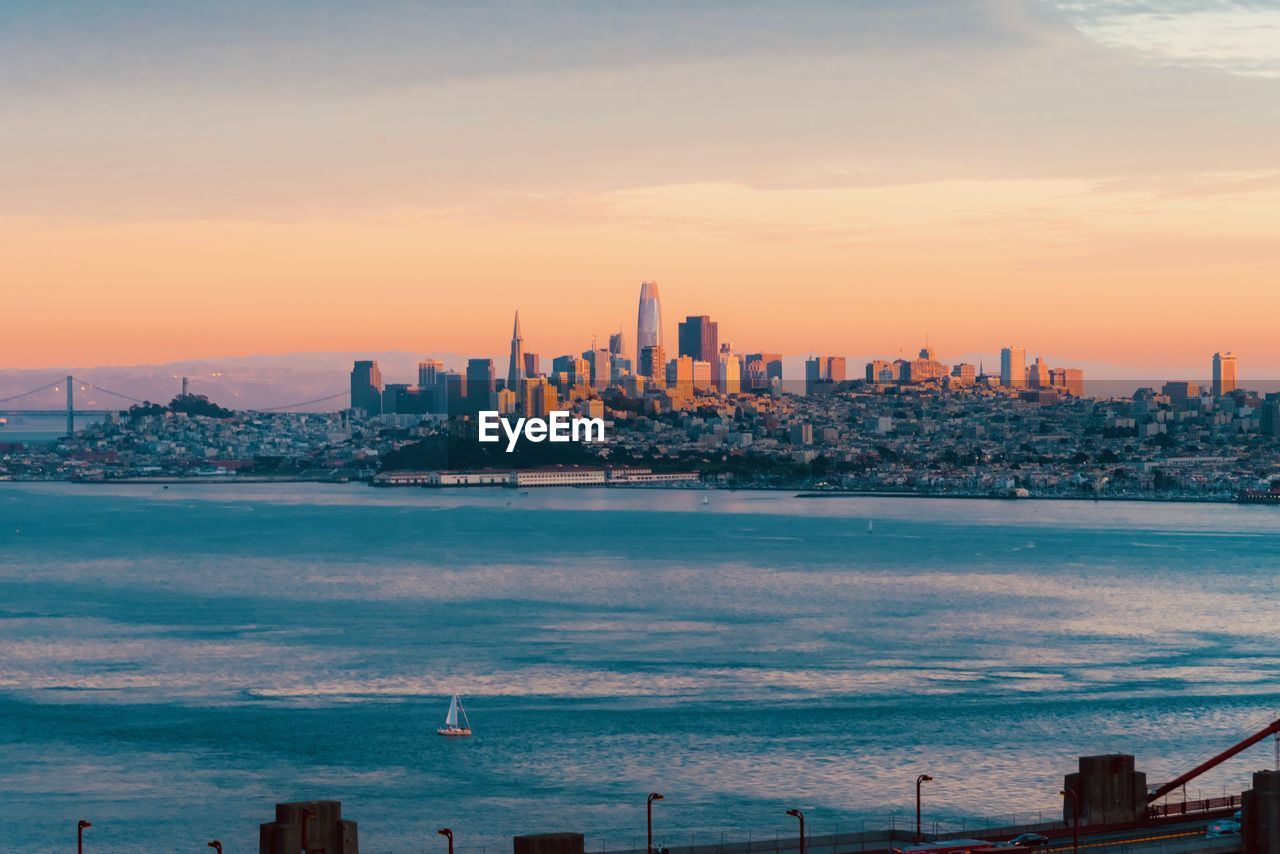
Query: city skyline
[{"x": 1091, "y": 177}]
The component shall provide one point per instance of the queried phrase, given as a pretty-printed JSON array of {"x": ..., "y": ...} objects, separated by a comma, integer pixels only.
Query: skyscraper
[
  {"x": 1224, "y": 373},
  {"x": 648, "y": 319},
  {"x": 532, "y": 365},
  {"x": 480, "y": 386},
  {"x": 366, "y": 387},
  {"x": 823, "y": 371},
  {"x": 428, "y": 369},
  {"x": 617, "y": 343},
  {"x": 730, "y": 370},
  {"x": 699, "y": 337},
  {"x": 653, "y": 364},
  {"x": 1013, "y": 367},
  {"x": 515, "y": 369}
]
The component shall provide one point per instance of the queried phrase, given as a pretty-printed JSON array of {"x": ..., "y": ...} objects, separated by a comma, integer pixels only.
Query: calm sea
[{"x": 174, "y": 661}]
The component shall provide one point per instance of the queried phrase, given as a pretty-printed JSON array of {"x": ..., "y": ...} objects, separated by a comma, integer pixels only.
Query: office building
[
  {"x": 539, "y": 398},
  {"x": 1180, "y": 391},
  {"x": 1224, "y": 374},
  {"x": 699, "y": 339},
  {"x": 648, "y": 319},
  {"x": 366, "y": 387},
  {"x": 1013, "y": 367},
  {"x": 760, "y": 369},
  {"x": 820, "y": 371},
  {"x": 481, "y": 385},
  {"x": 515, "y": 366},
  {"x": 730, "y": 371},
  {"x": 600, "y": 366},
  {"x": 532, "y": 365},
  {"x": 451, "y": 393},
  {"x": 1038, "y": 374},
  {"x": 653, "y": 364},
  {"x": 1067, "y": 380},
  {"x": 617, "y": 343},
  {"x": 963, "y": 374}
]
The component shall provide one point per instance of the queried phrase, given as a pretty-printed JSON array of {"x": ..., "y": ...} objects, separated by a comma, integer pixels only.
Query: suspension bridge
[{"x": 28, "y": 402}]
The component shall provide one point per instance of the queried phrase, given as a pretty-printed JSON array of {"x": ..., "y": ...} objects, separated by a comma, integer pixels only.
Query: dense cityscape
[{"x": 714, "y": 416}]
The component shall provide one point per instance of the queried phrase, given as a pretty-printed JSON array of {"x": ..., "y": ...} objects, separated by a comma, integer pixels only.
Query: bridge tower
[{"x": 71, "y": 409}]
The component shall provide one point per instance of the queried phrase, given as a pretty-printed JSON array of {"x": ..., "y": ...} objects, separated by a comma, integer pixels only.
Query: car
[
  {"x": 1029, "y": 840},
  {"x": 1224, "y": 827}
]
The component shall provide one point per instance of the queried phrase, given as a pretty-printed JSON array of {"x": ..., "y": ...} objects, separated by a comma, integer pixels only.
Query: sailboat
[{"x": 451, "y": 720}]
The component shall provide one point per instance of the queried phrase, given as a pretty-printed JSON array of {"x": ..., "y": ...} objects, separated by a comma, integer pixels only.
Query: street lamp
[
  {"x": 798, "y": 814},
  {"x": 653, "y": 796},
  {"x": 80, "y": 826},
  {"x": 1075, "y": 818},
  {"x": 447, "y": 834},
  {"x": 216, "y": 846},
  {"x": 923, "y": 778}
]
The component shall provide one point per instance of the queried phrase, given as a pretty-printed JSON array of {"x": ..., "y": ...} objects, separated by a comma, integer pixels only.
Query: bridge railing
[{"x": 1192, "y": 807}]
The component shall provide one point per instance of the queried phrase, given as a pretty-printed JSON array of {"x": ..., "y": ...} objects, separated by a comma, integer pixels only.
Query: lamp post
[
  {"x": 80, "y": 826},
  {"x": 923, "y": 778},
  {"x": 1075, "y": 818},
  {"x": 216, "y": 846},
  {"x": 800, "y": 815},
  {"x": 447, "y": 834},
  {"x": 653, "y": 796}
]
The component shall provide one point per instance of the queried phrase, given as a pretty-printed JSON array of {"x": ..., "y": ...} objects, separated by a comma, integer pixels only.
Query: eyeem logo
[{"x": 558, "y": 428}]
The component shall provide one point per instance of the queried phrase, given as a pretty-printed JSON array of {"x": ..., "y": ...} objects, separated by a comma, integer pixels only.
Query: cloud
[{"x": 1228, "y": 35}]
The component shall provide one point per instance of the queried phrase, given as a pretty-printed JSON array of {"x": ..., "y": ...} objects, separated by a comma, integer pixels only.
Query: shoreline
[{"x": 796, "y": 491}]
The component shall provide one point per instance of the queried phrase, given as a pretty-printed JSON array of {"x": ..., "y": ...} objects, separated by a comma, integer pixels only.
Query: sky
[{"x": 1098, "y": 181}]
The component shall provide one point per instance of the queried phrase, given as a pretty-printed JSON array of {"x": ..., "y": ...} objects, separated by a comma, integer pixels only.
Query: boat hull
[{"x": 454, "y": 731}]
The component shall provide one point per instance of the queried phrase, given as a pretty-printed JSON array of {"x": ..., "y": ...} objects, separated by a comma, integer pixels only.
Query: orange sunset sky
[{"x": 1098, "y": 181}]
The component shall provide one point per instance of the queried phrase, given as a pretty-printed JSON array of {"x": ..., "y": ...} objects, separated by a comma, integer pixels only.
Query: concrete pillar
[
  {"x": 1261, "y": 831},
  {"x": 549, "y": 843},
  {"x": 1110, "y": 791},
  {"x": 325, "y": 829}
]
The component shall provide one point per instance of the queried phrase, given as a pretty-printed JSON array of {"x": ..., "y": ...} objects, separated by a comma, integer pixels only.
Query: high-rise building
[
  {"x": 699, "y": 338},
  {"x": 760, "y": 369},
  {"x": 427, "y": 371},
  {"x": 532, "y": 365},
  {"x": 1224, "y": 373},
  {"x": 823, "y": 371},
  {"x": 730, "y": 371},
  {"x": 617, "y": 343},
  {"x": 680, "y": 379},
  {"x": 515, "y": 368},
  {"x": 1013, "y": 367},
  {"x": 1038, "y": 374},
  {"x": 648, "y": 319},
  {"x": 653, "y": 364},
  {"x": 538, "y": 397},
  {"x": 704, "y": 375},
  {"x": 1069, "y": 380},
  {"x": 1180, "y": 391},
  {"x": 880, "y": 372},
  {"x": 963, "y": 373},
  {"x": 481, "y": 385},
  {"x": 366, "y": 387},
  {"x": 451, "y": 393},
  {"x": 601, "y": 364}
]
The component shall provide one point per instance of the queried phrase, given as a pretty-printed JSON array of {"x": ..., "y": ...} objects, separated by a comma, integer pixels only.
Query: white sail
[{"x": 452, "y": 720}]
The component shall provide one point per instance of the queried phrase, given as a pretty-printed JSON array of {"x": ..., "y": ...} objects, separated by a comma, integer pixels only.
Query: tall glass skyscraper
[{"x": 648, "y": 319}]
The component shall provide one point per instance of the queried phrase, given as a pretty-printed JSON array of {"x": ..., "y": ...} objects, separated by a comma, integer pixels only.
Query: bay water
[{"x": 175, "y": 660}]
